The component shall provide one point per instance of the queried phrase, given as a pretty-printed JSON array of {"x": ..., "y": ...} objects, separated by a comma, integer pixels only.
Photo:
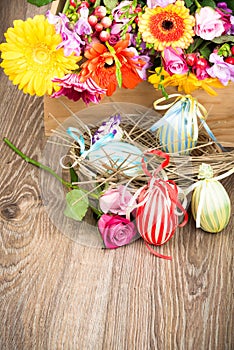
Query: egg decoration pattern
[
  {"x": 211, "y": 205},
  {"x": 177, "y": 130},
  {"x": 157, "y": 215}
]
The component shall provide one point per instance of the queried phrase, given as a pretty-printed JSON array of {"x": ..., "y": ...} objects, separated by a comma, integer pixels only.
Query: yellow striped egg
[{"x": 211, "y": 202}]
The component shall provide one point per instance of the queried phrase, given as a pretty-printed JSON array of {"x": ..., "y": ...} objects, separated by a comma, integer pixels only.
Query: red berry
[
  {"x": 72, "y": 3},
  {"x": 232, "y": 50},
  {"x": 136, "y": 20},
  {"x": 137, "y": 9},
  {"x": 104, "y": 36},
  {"x": 98, "y": 27},
  {"x": 100, "y": 11},
  {"x": 106, "y": 22},
  {"x": 202, "y": 63},
  {"x": 92, "y": 20},
  {"x": 229, "y": 60},
  {"x": 191, "y": 59},
  {"x": 85, "y": 4}
]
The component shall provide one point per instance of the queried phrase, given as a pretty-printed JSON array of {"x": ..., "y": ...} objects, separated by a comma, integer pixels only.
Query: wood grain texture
[{"x": 57, "y": 294}]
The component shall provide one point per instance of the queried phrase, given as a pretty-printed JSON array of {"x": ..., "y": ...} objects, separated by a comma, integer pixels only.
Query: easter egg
[
  {"x": 211, "y": 206},
  {"x": 118, "y": 155},
  {"x": 156, "y": 218},
  {"x": 177, "y": 133}
]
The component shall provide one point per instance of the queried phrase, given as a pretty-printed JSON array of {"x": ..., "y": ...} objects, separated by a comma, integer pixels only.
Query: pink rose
[
  {"x": 208, "y": 23},
  {"x": 116, "y": 231},
  {"x": 115, "y": 200},
  {"x": 173, "y": 61}
]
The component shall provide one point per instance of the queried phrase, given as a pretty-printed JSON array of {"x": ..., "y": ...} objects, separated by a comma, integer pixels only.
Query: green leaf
[
  {"x": 193, "y": 47},
  {"x": 110, "y": 4},
  {"x": 205, "y": 52},
  {"x": 209, "y": 3},
  {"x": 188, "y": 3},
  {"x": 118, "y": 71},
  {"x": 223, "y": 39},
  {"x": 73, "y": 174},
  {"x": 78, "y": 210},
  {"x": 97, "y": 3},
  {"x": 39, "y": 2},
  {"x": 230, "y": 4}
]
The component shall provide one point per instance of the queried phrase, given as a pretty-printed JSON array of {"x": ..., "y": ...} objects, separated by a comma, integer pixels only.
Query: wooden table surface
[{"x": 57, "y": 294}]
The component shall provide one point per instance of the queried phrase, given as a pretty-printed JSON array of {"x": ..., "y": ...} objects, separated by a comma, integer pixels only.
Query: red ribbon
[{"x": 172, "y": 191}]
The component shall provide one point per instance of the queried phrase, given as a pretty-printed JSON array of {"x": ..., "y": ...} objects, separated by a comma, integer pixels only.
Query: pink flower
[
  {"x": 115, "y": 200},
  {"x": 72, "y": 88},
  {"x": 116, "y": 231},
  {"x": 208, "y": 23},
  {"x": 162, "y": 3},
  {"x": 173, "y": 61},
  {"x": 221, "y": 70}
]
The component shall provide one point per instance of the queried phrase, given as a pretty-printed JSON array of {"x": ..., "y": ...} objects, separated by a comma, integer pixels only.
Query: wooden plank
[{"x": 220, "y": 108}]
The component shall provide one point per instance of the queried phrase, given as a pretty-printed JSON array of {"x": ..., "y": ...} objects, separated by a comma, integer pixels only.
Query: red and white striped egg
[{"x": 156, "y": 219}]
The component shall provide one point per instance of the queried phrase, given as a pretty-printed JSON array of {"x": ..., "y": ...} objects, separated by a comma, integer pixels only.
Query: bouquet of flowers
[{"x": 94, "y": 46}]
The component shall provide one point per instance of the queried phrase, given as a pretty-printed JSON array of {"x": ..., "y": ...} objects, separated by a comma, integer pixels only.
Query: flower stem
[
  {"x": 44, "y": 167},
  {"x": 197, "y": 4},
  {"x": 67, "y": 3}
]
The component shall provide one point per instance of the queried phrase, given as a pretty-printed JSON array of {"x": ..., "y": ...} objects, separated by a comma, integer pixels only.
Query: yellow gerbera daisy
[
  {"x": 30, "y": 57},
  {"x": 168, "y": 26},
  {"x": 185, "y": 82}
]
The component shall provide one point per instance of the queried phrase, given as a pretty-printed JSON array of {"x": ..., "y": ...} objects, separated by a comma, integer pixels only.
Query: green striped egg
[{"x": 216, "y": 205}]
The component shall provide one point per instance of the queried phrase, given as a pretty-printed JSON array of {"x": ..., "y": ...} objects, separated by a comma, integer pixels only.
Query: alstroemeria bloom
[
  {"x": 74, "y": 89},
  {"x": 72, "y": 42},
  {"x": 116, "y": 200},
  {"x": 162, "y": 3},
  {"x": 82, "y": 26},
  {"x": 209, "y": 24},
  {"x": 118, "y": 11},
  {"x": 220, "y": 69},
  {"x": 173, "y": 61},
  {"x": 116, "y": 231},
  {"x": 108, "y": 127}
]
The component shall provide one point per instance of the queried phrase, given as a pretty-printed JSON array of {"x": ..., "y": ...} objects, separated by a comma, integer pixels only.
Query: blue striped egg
[
  {"x": 177, "y": 133},
  {"x": 118, "y": 154}
]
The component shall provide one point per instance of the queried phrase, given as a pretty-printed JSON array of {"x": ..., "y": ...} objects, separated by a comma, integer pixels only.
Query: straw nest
[{"x": 183, "y": 169}]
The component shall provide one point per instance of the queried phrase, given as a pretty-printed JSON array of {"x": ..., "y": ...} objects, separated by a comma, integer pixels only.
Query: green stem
[
  {"x": 67, "y": 3},
  {"x": 197, "y": 4},
  {"x": 44, "y": 167}
]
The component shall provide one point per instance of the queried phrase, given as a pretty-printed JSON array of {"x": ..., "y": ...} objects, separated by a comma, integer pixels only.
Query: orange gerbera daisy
[{"x": 101, "y": 66}]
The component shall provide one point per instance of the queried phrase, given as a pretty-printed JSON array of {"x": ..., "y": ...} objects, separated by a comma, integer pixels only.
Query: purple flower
[
  {"x": 72, "y": 88},
  {"x": 118, "y": 11},
  {"x": 111, "y": 126},
  {"x": 82, "y": 26},
  {"x": 220, "y": 69},
  {"x": 71, "y": 41},
  {"x": 142, "y": 71},
  {"x": 162, "y": 3},
  {"x": 225, "y": 14}
]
